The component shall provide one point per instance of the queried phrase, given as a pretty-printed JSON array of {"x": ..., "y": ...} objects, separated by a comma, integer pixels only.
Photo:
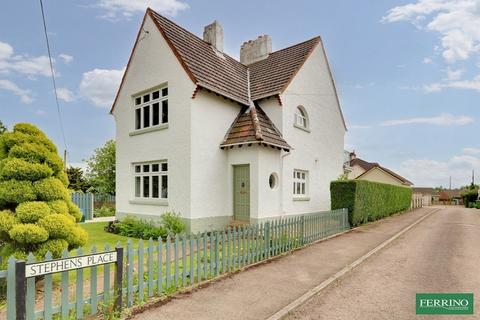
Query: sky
[{"x": 407, "y": 72}]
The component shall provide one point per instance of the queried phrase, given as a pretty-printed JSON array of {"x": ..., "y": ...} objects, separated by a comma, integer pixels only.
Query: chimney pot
[
  {"x": 255, "y": 50},
  {"x": 213, "y": 34}
]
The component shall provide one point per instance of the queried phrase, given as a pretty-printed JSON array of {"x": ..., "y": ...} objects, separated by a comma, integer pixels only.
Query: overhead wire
[{"x": 53, "y": 77}]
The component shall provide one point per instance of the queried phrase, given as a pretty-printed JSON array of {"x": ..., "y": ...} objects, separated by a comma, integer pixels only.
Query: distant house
[
  {"x": 450, "y": 196},
  {"x": 427, "y": 194},
  {"x": 216, "y": 139},
  {"x": 372, "y": 171}
]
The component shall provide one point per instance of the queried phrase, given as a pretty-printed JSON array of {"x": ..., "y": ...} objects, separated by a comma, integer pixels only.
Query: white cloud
[
  {"x": 23, "y": 64},
  {"x": 471, "y": 150},
  {"x": 40, "y": 112},
  {"x": 100, "y": 86},
  {"x": 457, "y": 22},
  {"x": 426, "y": 172},
  {"x": 65, "y": 95},
  {"x": 65, "y": 57},
  {"x": 25, "y": 95},
  {"x": 454, "y": 74},
  {"x": 444, "y": 119},
  {"x": 117, "y": 9},
  {"x": 427, "y": 60},
  {"x": 473, "y": 84}
]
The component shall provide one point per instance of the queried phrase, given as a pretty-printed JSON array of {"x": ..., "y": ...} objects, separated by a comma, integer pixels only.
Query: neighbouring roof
[
  {"x": 367, "y": 166},
  {"x": 423, "y": 190},
  {"x": 252, "y": 125}
]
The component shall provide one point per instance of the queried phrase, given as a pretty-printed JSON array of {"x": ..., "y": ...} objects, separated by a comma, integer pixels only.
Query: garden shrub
[
  {"x": 104, "y": 211},
  {"x": 58, "y": 206},
  {"x": 50, "y": 189},
  {"x": 28, "y": 233},
  {"x": 58, "y": 226},
  {"x": 32, "y": 211},
  {"x": 20, "y": 169},
  {"x": 172, "y": 222},
  {"x": 38, "y": 214},
  {"x": 13, "y": 192},
  {"x": 55, "y": 246},
  {"x": 369, "y": 201},
  {"x": 7, "y": 221}
]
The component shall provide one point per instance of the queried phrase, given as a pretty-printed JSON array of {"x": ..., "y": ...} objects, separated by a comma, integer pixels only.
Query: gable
[
  {"x": 377, "y": 174},
  {"x": 314, "y": 81},
  {"x": 149, "y": 54}
]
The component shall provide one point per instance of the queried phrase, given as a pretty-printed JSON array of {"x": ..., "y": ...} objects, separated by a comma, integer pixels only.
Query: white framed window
[
  {"x": 151, "y": 108},
  {"x": 300, "y": 183},
  {"x": 301, "y": 118},
  {"x": 151, "y": 180}
]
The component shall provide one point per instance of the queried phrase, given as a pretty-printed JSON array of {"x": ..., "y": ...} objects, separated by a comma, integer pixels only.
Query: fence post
[
  {"x": 302, "y": 230},
  {"x": 118, "y": 280},
  {"x": 267, "y": 239},
  {"x": 20, "y": 289}
]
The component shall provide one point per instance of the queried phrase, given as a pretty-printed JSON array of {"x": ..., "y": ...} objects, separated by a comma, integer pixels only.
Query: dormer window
[
  {"x": 151, "y": 108},
  {"x": 301, "y": 119}
]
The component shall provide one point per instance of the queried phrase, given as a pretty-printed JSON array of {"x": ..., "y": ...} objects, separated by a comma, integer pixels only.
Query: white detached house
[{"x": 216, "y": 139}]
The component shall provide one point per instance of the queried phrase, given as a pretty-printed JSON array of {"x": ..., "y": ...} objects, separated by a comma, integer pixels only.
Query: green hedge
[{"x": 369, "y": 201}]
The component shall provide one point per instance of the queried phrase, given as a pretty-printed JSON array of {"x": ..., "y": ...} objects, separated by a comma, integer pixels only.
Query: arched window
[{"x": 301, "y": 118}]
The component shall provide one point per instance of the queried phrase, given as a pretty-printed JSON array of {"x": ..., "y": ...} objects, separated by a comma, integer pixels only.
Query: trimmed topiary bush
[
  {"x": 32, "y": 211},
  {"x": 20, "y": 169},
  {"x": 36, "y": 212},
  {"x": 58, "y": 226},
  {"x": 369, "y": 201},
  {"x": 28, "y": 233}
]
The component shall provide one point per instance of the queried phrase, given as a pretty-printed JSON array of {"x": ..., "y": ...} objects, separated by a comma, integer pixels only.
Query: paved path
[
  {"x": 259, "y": 292},
  {"x": 441, "y": 254}
]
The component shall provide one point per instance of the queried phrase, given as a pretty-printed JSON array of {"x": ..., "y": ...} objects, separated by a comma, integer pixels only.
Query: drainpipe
[{"x": 282, "y": 175}]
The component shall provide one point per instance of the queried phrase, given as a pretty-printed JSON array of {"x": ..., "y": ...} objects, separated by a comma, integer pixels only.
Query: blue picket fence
[
  {"x": 85, "y": 202},
  {"x": 158, "y": 267}
]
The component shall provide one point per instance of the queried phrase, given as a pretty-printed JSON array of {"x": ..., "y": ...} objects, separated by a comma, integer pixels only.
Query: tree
[
  {"x": 36, "y": 212},
  {"x": 76, "y": 179},
  {"x": 3, "y": 129},
  {"x": 101, "y": 168}
]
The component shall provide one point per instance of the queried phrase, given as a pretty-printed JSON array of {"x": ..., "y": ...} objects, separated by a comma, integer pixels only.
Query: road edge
[{"x": 314, "y": 291}]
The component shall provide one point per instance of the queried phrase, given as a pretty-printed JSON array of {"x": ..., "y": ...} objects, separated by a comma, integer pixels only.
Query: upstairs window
[
  {"x": 151, "y": 180},
  {"x": 301, "y": 118},
  {"x": 151, "y": 108}
]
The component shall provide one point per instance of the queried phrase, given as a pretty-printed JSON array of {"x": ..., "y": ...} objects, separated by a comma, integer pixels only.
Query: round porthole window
[{"x": 273, "y": 181}]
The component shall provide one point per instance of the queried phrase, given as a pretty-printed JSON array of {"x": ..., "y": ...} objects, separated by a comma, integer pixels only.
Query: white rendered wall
[
  {"x": 211, "y": 117},
  {"x": 154, "y": 64},
  {"x": 378, "y": 175},
  {"x": 319, "y": 151}
]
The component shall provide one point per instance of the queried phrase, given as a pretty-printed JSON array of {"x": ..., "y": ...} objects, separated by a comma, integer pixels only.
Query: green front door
[{"x": 241, "y": 192}]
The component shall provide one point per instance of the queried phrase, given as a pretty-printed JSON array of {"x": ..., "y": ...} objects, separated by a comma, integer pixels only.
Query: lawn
[{"x": 98, "y": 237}]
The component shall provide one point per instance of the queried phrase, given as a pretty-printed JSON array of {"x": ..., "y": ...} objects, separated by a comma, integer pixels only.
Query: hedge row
[{"x": 369, "y": 201}]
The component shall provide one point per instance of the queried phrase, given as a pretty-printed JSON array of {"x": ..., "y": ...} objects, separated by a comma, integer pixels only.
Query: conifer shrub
[
  {"x": 36, "y": 212},
  {"x": 32, "y": 211}
]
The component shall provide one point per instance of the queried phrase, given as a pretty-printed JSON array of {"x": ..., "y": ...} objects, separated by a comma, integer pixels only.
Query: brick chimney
[
  {"x": 213, "y": 34},
  {"x": 255, "y": 50}
]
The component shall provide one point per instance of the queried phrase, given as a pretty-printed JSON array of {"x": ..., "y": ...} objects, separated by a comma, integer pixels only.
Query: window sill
[
  {"x": 301, "y": 128},
  {"x": 301, "y": 199},
  {"x": 150, "y": 202},
  {"x": 150, "y": 129}
]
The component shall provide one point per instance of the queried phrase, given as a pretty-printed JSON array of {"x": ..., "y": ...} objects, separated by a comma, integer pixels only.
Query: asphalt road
[{"x": 440, "y": 254}]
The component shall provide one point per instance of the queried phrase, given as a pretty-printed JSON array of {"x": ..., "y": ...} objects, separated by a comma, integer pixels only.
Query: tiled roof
[
  {"x": 423, "y": 190},
  {"x": 226, "y": 76},
  {"x": 206, "y": 66},
  {"x": 271, "y": 75},
  {"x": 367, "y": 166},
  {"x": 252, "y": 125}
]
